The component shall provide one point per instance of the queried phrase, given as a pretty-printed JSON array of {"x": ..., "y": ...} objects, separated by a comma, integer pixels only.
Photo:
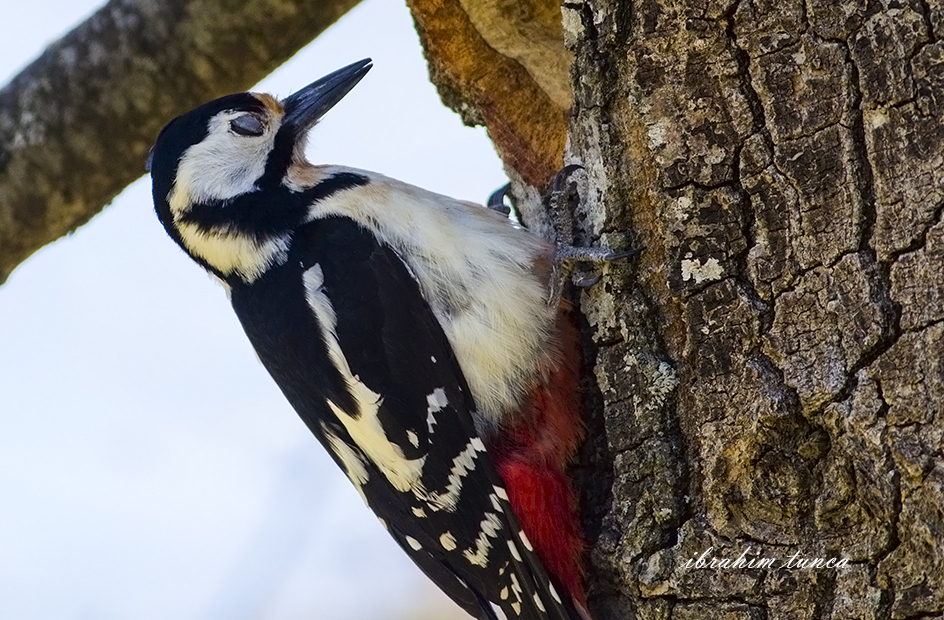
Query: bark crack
[
  {"x": 920, "y": 241},
  {"x": 866, "y": 180},
  {"x": 926, "y": 15},
  {"x": 758, "y": 127},
  {"x": 920, "y": 328}
]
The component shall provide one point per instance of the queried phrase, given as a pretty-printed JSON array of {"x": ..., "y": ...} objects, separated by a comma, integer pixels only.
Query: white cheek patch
[
  {"x": 364, "y": 424},
  {"x": 221, "y": 166}
]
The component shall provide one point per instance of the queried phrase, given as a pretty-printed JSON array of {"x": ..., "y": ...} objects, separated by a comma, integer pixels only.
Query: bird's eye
[{"x": 247, "y": 125}]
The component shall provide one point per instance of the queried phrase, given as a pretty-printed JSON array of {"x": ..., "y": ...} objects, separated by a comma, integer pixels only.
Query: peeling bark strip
[
  {"x": 502, "y": 65},
  {"x": 76, "y": 125},
  {"x": 772, "y": 377}
]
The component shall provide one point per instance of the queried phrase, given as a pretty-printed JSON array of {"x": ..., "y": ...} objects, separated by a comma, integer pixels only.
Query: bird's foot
[{"x": 581, "y": 265}]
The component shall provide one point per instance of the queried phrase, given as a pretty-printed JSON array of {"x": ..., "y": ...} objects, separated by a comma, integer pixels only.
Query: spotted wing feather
[{"x": 369, "y": 369}]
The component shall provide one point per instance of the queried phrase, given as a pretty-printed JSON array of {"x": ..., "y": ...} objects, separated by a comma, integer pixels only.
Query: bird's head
[{"x": 207, "y": 162}]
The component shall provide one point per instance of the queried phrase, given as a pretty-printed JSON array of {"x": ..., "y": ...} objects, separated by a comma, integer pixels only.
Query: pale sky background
[{"x": 149, "y": 467}]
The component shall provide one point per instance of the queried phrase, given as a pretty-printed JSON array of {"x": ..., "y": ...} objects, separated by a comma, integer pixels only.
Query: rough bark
[
  {"x": 769, "y": 374},
  {"x": 76, "y": 125}
]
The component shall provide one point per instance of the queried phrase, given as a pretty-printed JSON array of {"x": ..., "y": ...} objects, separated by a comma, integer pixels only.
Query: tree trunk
[
  {"x": 766, "y": 379},
  {"x": 76, "y": 125}
]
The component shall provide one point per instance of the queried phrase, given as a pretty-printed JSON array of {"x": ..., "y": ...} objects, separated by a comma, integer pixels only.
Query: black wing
[{"x": 395, "y": 413}]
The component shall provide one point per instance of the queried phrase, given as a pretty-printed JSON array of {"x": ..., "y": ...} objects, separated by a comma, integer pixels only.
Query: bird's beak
[{"x": 305, "y": 107}]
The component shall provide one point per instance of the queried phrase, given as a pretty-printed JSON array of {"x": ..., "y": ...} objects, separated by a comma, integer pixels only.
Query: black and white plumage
[{"x": 398, "y": 323}]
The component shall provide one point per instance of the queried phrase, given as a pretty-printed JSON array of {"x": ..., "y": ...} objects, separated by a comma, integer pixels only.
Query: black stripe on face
[
  {"x": 280, "y": 158},
  {"x": 334, "y": 183},
  {"x": 268, "y": 213}
]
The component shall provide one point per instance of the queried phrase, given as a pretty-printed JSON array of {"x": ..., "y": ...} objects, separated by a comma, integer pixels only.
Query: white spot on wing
[
  {"x": 313, "y": 280},
  {"x": 516, "y": 590},
  {"x": 363, "y": 425},
  {"x": 514, "y": 550},
  {"x": 525, "y": 541},
  {"x": 415, "y": 544},
  {"x": 550, "y": 587},
  {"x": 500, "y": 492},
  {"x": 419, "y": 512},
  {"x": 448, "y": 541},
  {"x": 462, "y": 465},
  {"x": 538, "y": 602},
  {"x": 435, "y": 401},
  {"x": 413, "y": 439},
  {"x": 487, "y": 529}
]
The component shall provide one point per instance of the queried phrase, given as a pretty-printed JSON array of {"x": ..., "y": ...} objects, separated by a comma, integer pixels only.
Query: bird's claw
[
  {"x": 571, "y": 255},
  {"x": 585, "y": 280},
  {"x": 561, "y": 185},
  {"x": 622, "y": 255},
  {"x": 562, "y": 199},
  {"x": 496, "y": 202}
]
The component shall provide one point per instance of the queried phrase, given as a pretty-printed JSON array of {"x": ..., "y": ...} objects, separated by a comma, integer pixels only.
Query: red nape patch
[{"x": 543, "y": 501}]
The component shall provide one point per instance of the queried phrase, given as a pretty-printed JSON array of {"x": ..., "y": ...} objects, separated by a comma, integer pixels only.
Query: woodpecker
[{"x": 419, "y": 337}]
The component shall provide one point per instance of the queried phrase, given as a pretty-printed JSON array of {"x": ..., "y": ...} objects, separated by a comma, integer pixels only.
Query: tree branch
[{"x": 76, "y": 124}]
